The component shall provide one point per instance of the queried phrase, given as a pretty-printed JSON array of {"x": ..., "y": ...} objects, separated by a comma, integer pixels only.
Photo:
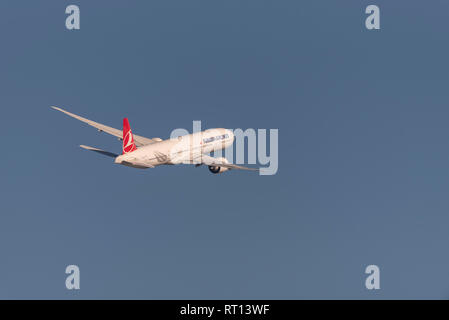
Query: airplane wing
[
  {"x": 215, "y": 162},
  {"x": 106, "y": 153},
  {"x": 138, "y": 140}
]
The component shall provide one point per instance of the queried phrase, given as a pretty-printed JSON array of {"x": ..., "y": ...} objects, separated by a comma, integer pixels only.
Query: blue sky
[{"x": 363, "y": 158}]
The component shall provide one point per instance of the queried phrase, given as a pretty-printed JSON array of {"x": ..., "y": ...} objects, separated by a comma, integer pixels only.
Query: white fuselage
[{"x": 183, "y": 149}]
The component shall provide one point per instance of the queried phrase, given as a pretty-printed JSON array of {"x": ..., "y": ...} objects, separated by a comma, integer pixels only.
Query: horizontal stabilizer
[{"x": 106, "y": 153}]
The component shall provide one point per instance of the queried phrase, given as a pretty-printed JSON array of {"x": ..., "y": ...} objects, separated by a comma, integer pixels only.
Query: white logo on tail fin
[{"x": 128, "y": 142}]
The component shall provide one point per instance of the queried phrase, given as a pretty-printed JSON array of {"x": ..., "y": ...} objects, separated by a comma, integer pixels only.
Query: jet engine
[{"x": 217, "y": 169}]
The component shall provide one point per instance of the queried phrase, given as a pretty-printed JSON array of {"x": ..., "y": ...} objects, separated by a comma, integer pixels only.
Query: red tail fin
[{"x": 128, "y": 139}]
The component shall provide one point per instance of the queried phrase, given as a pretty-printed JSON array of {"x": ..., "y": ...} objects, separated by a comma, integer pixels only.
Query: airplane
[{"x": 140, "y": 152}]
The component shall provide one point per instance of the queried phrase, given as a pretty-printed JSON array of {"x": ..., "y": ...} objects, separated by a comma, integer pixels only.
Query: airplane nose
[{"x": 118, "y": 159}]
